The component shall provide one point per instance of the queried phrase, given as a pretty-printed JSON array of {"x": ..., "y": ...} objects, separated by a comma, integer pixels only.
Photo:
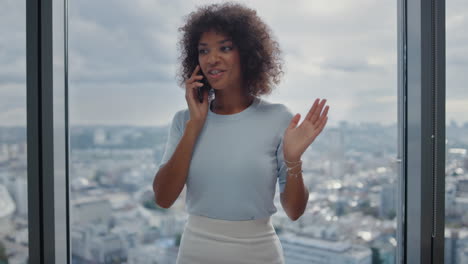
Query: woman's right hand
[{"x": 198, "y": 111}]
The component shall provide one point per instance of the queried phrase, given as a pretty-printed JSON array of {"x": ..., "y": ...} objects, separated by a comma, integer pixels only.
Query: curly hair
[{"x": 260, "y": 55}]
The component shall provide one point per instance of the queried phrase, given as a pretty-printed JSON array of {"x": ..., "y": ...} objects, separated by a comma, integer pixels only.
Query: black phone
[{"x": 206, "y": 86}]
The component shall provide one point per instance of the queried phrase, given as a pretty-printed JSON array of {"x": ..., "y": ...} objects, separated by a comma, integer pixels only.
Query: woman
[{"x": 231, "y": 150}]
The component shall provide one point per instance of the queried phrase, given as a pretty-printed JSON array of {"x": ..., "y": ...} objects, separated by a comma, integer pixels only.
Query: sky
[{"x": 123, "y": 58}]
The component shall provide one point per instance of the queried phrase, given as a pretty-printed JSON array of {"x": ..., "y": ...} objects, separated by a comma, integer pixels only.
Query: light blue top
[{"x": 236, "y": 161}]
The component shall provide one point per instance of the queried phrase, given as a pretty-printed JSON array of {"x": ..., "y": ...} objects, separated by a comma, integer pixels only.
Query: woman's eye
[
  {"x": 202, "y": 51},
  {"x": 226, "y": 48}
]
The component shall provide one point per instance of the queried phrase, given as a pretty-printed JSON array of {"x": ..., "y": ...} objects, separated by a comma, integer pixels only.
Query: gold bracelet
[
  {"x": 295, "y": 164},
  {"x": 295, "y": 175},
  {"x": 290, "y": 168},
  {"x": 292, "y": 162}
]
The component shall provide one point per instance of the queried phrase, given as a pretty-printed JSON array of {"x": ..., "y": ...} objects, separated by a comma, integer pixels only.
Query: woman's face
[{"x": 219, "y": 60}]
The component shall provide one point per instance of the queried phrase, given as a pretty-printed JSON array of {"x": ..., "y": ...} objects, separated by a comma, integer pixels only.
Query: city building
[
  {"x": 7, "y": 208},
  {"x": 302, "y": 250}
]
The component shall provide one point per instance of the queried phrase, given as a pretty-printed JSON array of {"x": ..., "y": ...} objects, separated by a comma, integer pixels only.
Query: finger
[
  {"x": 196, "y": 70},
  {"x": 191, "y": 97},
  {"x": 195, "y": 84},
  {"x": 311, "y": 111},
  {"x": 322, "y": 125},
  {"x": 194, "y": 73},
  {"x": 193, "y": 79},
  {"x": 319, "y": 122},
  {"x": 194, "y": 88},
  {"x": 195, "y": 92},
  {"x": 319, "y": 128},
  {"x": 191, "y": 91},
  {"x": 324, "y": 113},
  {"x": 294, "y": 121},
  {"x": 316, "y": 114}
]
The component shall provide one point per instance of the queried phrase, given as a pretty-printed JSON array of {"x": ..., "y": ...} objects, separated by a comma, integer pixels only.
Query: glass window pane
[
  {"x": 124, "y": 94},
  {"x": 13, "y": 151},
  {"x": 456, "y": 177}
]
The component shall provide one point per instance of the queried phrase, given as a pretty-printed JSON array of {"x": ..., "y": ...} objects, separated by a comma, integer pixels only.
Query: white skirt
[{"x": 207, "y": 240}]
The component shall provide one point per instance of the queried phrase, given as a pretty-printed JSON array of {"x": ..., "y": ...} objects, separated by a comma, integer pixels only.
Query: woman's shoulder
[
  {"x": 275, "y": 108},
  {"x": 182, "y": 114},
  {"x": 181, "y": 117}
]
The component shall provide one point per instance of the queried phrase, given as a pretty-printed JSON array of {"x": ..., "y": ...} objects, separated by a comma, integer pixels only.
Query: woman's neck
[{"x": 228, "y": 104}]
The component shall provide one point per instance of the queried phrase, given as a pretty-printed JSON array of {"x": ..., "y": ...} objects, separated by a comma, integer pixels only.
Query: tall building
[
  {"x": 456, "y": 246},
  {"x": 336, "y": 153},
  {"x": 7, "y": 208},
  {"x": 387, "y": 208},
  {"x": 19, "y": 189},
  {"x": 94, "y": 244},
  {"x": 91, "y": 210}
]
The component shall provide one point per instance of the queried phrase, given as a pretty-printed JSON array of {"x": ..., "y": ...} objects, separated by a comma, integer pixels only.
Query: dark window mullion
[
  {"x": 425, "y": 125},
  {"x": 46, "y": 127},
  {"x": 439, "y": 100}
]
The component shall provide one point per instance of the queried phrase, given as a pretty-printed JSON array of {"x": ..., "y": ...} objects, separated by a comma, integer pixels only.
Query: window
[
  {"x": 98, "y": 141},
  {"x": 456, "y": 181},
  {"x": 13, "y": 143},
  {"x": 122, "y": 69}
]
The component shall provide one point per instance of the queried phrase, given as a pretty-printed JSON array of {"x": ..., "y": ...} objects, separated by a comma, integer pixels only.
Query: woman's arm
[
  {"x": 170, "y": 179},
  {"x": 295, "y": 141},
  {"x": 295, "y": 195}
]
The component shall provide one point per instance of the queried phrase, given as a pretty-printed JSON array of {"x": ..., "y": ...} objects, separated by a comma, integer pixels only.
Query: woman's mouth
[{"x": 215, "y": 74}]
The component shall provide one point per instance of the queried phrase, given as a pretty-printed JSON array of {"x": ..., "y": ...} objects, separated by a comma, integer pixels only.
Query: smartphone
[{"x": 206, "y": 86}]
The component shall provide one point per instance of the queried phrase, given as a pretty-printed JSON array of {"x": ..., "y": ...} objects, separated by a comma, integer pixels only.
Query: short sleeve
[
  {"x": 285, "y": 116},
  {"x": 281, "y": 169},
  {"x": 176, "y": 130}
]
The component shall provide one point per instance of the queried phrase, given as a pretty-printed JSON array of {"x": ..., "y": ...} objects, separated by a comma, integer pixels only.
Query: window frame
[
  {"x": 47, "y": 132},
  {"x": 423, "y": 130}
]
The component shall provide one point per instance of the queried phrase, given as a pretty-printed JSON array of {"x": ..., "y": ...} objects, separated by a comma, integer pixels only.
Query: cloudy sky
[{"x": 123, "y": 58}]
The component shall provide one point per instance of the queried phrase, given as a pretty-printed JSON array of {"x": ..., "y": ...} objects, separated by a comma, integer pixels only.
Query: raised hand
[
  {"x": 198, "y": 111},
  {"x": 297, "y": 139}
]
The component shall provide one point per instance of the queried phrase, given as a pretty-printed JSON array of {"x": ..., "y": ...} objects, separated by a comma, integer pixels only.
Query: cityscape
[{"x": 351, "y": 172}]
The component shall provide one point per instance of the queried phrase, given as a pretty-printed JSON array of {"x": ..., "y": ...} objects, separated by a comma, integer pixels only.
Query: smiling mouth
[{"x": 215, "y": 74}]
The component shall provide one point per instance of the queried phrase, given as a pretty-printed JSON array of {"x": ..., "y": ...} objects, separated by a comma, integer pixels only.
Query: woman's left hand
[{"x": 297, "y": 139}]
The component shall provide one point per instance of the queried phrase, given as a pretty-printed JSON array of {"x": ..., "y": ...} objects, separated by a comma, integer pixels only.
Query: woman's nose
[{"x": 213, "y": 57}]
